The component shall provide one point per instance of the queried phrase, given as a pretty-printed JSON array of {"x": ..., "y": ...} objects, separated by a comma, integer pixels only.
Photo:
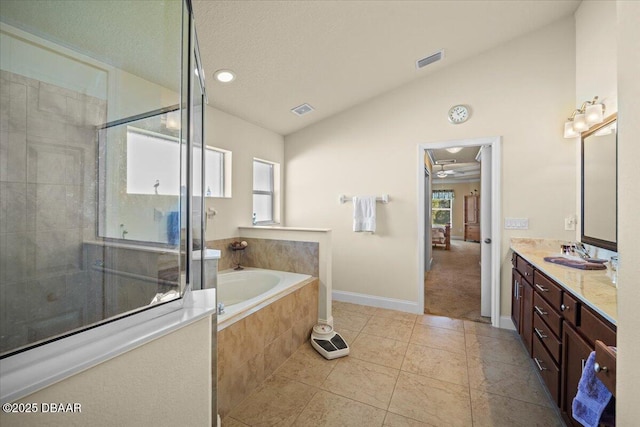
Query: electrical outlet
[
  {"x": 569, "y": 223},
  {"x": 516, "y": 223}
]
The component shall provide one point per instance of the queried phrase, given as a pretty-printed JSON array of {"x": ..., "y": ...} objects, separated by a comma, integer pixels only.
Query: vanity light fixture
[
  {"x": 590, "y": 113},
  {"x": 224, "y": 76}
]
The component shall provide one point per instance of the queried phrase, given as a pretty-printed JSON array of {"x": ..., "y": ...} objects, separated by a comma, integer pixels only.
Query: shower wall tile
[
  {"x": 14, "y": 154},
  {"x": 13, "y": 207},
  {"x": 51, "y": 100},
  {"x": 47, "y": 208}
]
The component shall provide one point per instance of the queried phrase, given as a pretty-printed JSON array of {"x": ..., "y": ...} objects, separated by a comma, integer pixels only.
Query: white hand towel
[{"x": 364, "y": 213}]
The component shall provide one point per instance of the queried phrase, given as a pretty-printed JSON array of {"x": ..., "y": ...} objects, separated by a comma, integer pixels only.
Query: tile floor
[{"x": 404, "y": 370}]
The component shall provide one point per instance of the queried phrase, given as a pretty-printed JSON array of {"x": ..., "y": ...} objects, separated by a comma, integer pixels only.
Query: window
[
  {"x": 441, "y": 207},
  {"x": 264, "y": 179},
  {"x": 161, "y": 176}
]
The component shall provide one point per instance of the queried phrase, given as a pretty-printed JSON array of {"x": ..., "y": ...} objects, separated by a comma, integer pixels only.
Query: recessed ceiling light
[
  {"x": 224, "y": 76},
  {"x": 454, "y": 150}
]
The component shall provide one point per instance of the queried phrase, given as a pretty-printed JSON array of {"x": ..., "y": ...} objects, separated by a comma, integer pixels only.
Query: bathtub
[{"x": 246, "y": 291}]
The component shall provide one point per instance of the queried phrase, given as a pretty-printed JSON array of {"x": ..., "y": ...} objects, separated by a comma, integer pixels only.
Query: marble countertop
[{"x": 595, "y": 288}]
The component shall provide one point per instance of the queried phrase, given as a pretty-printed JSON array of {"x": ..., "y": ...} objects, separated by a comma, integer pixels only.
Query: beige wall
[
  {"x": 628, "y": 70},
  {"x": 246, "y": 141},
  {"x": 165, "y": 382},
  {"x": 372, "y": 149},
  {"x": 459, "y": 190}
]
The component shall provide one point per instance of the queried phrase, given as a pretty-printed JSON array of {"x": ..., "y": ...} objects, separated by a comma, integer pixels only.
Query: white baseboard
[
  {"x": 374, "y": 301},
  {"x": 507, "y": 323}
]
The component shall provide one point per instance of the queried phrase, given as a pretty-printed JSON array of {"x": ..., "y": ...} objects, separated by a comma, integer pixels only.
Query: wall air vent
[
  {"x": 301, "y": 110},
  {"x": 421, "y": 63}
]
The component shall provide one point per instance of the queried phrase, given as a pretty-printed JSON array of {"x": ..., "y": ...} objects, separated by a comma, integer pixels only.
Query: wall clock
[{"x": 458, "y": 114}]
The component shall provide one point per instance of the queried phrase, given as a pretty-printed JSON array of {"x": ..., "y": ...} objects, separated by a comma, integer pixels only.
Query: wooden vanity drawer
[
  {"x": 593, "y": 328},
  {"x": 548, "y": 369},
  {"x": 547, "y": 313},
  {"x": 570, "y": 309},
  {"x": 606, "y": 360},
  {"x": 548, "y": 289},
  {"x": 525, "y": 269},
  {"x": 548, "y": 338}
]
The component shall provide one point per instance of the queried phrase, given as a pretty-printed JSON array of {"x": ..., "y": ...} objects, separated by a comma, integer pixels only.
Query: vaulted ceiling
[{"x": 337, "y": 54}]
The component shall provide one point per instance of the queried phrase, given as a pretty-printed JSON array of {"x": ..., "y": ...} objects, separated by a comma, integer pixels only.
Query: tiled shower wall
[
  {"x": 282, "y": 255},
  {"x": 47, "y": 200}
]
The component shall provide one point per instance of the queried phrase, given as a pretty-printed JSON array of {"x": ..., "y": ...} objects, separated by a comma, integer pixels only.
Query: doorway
[{"x": 489, "y": 230}]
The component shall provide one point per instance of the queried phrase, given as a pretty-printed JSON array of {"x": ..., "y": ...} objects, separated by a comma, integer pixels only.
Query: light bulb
[
  {"x": 594, "y": 114},
  {"x": 579, "y": 122},
  {"x": 569, "y": 131}
]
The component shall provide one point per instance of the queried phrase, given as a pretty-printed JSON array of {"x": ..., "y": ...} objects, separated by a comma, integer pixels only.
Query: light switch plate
[
  {"x": 516, "y": 223},
  {"x": 569, "y": 223}
]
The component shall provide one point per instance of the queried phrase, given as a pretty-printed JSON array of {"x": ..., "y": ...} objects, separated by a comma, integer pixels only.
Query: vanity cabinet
[
  {"x": 472, "y": 218},
  {"x": 522, "y": 300},
  {"x": 559, "y": 331}
]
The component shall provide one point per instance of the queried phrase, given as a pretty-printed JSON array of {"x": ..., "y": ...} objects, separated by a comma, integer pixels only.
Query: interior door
[
  {"x": 427, "y": 220},
  {"x": 485, "y": 230}
]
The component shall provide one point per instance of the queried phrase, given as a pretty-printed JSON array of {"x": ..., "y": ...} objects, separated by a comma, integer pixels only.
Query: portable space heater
[{"x": 328, "y": 342}]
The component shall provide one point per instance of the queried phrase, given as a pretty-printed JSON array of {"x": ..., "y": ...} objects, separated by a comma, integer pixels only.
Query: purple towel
[{"x": 592, "y": 397}]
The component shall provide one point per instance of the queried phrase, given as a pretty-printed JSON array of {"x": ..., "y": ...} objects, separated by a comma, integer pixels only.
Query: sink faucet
[{"x": 581, "y": 250}]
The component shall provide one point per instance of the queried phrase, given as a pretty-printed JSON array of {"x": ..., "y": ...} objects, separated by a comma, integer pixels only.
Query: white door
[
  {"x": 485, "y": 231},
  {"x": 427, "y": 220}
]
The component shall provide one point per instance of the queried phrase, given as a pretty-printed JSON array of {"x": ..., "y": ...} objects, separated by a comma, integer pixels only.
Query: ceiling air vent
[
  {"x": 301, "y": 110},
  {"x": 421, "y": 63}
]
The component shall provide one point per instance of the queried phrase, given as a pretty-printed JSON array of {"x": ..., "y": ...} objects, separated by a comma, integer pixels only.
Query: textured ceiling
[
  {"x": 140, "y": 37},
  {"x": 337, "y": 54}
]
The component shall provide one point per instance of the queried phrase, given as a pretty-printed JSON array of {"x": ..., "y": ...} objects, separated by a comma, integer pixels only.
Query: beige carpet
[{"x": 452, "y": 287}]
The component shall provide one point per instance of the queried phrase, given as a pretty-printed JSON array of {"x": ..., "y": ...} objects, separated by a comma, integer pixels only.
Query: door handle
[{"x": 487, "y": 240}]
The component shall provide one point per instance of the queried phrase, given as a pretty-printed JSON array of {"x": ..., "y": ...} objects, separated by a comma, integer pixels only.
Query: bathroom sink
[{"x": 577, "y": 262}]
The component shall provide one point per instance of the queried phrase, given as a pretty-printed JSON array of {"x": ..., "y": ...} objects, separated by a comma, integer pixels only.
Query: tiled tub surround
[
  {"x": 252, "y": 348},
  {"x": 279, "y": 255},
  {"x": 47, "y": 207},
  {"x": 596, "y": 288}
]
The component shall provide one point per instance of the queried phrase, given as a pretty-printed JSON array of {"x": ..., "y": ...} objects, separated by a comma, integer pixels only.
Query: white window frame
[{"x": 274, "y": 193}]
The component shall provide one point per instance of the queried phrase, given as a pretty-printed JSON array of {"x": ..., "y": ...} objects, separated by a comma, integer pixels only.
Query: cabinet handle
[
  {"x": 540, "y": 311},
  {"x": 598, "y": 368},
  {"x": 564, "y": 307},
  {"x": 542, "y": 289},
  {"x": 526, "y": 273},
  {"x": 542, "y": 368},
  {"x": 515, "y": 289},
  {"x": 540, "y": 334}
]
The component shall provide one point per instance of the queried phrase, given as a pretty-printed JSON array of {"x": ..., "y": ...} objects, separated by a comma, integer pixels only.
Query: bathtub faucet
[{"x": 220, "y": 308}]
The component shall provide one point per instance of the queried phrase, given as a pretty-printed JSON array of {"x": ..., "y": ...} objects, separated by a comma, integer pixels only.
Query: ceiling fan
[{"x": 443, "y": 173}]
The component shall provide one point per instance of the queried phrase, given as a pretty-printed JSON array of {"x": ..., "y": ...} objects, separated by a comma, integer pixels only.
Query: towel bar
[{"x": 384, "y": 199}]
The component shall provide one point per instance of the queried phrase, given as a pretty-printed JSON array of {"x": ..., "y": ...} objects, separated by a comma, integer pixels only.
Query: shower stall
[{"x": 101, "y": 164}]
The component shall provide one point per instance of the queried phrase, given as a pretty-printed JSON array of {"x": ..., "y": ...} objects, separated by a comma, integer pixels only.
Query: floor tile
[
  {"x": 507, "y": 380},
  {"x": 395, "y": 420},
  {"x": 329, "y": 410},
  {"x": 431, "y": 401},
  {"x": 353, "y": 308},
  {"x": 387, "y": 327},
  {"x": 487, "y": 330},
  {"x": 496, "y": 349},
  {"x": 394, "y": 314},
  {"x": 362, "y": 381},
  {"x": 496, "y": 411},
  {"x": 436, "y": 363},
  {"x": 441, "y": 322},
  {"x": 349, "y": 320},
  {"x": 277, "y": 402},
  {"x": 348, "y": 335},
  {"x": 381, "y": 351},
  {"x": 445, "y": 339},
  {"x": 307, "y": 366}
]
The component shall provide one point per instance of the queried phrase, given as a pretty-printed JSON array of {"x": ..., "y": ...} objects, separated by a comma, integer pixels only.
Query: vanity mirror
[{"x": 599, "y": 185}]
